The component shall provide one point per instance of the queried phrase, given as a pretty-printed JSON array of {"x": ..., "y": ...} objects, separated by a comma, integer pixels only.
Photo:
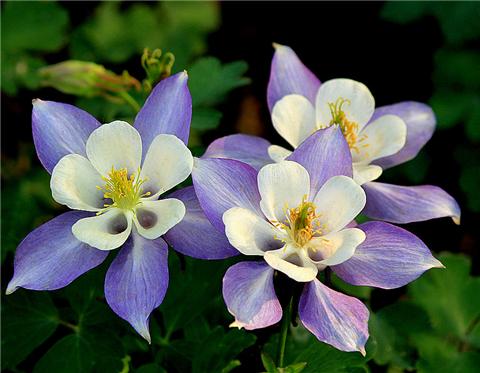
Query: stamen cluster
[{"x": 124, "y": 191}]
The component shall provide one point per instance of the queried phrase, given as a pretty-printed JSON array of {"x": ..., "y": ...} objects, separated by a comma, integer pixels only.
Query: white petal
[
  {"x": 154, "y": 218},
  {"x": 115, "y": 144},
  {"x": 106, "y": 231},
  {"x": 363, "y": 173},
  {"x": 335, "y": 248},
  {"x": 338, "y": 202},
  {"x": 249, "y": 233},
  {"x": 167, "y": 163},
  {"x": 74, "y": 184},
  {"x": 359, "y": 109},
  {"x": 294, "y": 119},
  {"x": 278, "y": 153},
  {"x": 293, "y": 262},
  {"x": 381, "y": 138},
  {"x": 282, "y": 185}
]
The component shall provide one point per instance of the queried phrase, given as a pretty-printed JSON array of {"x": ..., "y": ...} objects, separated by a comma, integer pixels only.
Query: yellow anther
[
  {"x": 124, "y": 191},
  {"x": 349, "y": 128},
  {"x": 301, "y": 223}
]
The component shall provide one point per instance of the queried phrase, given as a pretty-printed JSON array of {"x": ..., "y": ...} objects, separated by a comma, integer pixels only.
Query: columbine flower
[
  {"x": 295, "y": 214},
  {"x": 378, "y": 138},
  {"x": 112, "y": 175}
]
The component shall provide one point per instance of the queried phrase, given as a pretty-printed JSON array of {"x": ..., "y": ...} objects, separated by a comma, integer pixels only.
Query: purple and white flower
[
  {"x": 378, "y": 138},
  {"x": 295, "y": 214},
  {"x": 112, "y": 175}
]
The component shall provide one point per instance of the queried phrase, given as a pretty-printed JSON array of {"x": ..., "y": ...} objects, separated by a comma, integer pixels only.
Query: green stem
[
  {"x": 283, "y": 333},
  {"x": 130, "y": 100}
]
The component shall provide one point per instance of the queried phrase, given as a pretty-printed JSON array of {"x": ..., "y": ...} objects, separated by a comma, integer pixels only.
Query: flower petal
[
  {"x": 390, "y": 257},
  {"x": 59, "y": 129},
  {"x": 137, "y": 281},
  {"x": 335, "y": 248},
  {"x": 324, "y": 154},
  {"x": 117, "y": 145},
  {"x": 50, "y": 257},
  {"x": 250, "y": 296},
  {"x": 106, "y": 231},
  {"x": 278, "y": 153},
  {"x": 401, "y": 204},
  {"x": 183, "y": 237},
  {"x": 221, "y": 184},
  {"x": 363, "y": 173},
  {"x": 168, "y": 162},
  {"x": 249, "y": 233},
  {"x": 282, "y": 185},
  {"x": 338, "y": 202},
  {"x": 420, "y": 121},
  {"x": 288, "y": 75},
  {"x": 252, "y": 150},
  {"x": 154, "y": 218},
  {"x": 383, "y": 137},
  {"x": 360, "y": 105},
  {"x": 167, "y": 110},
  {"x": 293, "y": 262},
  {"x": 334, "y": 318},
  {"x": 293, "y": 117},
  {"x": 74, "y": 184}
]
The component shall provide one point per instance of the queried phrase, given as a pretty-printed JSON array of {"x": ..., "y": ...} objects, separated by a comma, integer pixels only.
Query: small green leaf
[
  {"x": 210, "y": 81},
  {"x": 268, "y": 363},
  {"x": 28, "y": 319},
  {"x": 450, "y": 296}
]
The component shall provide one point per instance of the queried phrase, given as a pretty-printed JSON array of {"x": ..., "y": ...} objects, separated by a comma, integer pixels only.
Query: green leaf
[
  {"x": 217, "y": 351},
  {"x": 268, "y": 363},
  {"x": 205, "y": 118},
  {"x": 83, "y": 352},
  {"x": 210, "y": 81},
  {"x": 150, "y": 368},
  {"x": 28, "y": 319},
  {"x": 35, "y": 26},
  {"x": 449, "y": 296},
  {"x": 197, "y": 287}
]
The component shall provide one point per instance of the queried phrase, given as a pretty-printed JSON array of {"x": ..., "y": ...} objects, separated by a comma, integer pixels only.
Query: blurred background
[{"x": 424, "y": 51}]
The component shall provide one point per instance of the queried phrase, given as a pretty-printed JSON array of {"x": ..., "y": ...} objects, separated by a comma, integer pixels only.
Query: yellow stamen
[
  {"x": 124, "y": 191},
  {"x": 301, "y": 223},
  {"x": 349, "y": 128}
]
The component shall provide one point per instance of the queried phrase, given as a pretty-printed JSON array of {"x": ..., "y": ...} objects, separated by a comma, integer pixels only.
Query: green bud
[{"x": 86, "y": 79}]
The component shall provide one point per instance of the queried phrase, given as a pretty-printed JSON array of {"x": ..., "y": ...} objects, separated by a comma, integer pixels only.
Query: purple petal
[
  {"x": 420, "y": 121},
  {"x": 250, "y": 296},
  {"x": 137, "y": 281},
  {"x": 252, "y": 150},
  {"x": 195, "y": 236},
  {"x": 221, "y": 184},
  {"x": 59, "y": 129},
  {"x": 289, "y": 75},
  {"x": 390, "y": 257},
  {"x": 167, "y": 110},
  {"x": 333, "y": 317},
  {"x": 324, "y": 154},
  {"x": 401, "y": 204},
  {"x": 50, "y": 257}
]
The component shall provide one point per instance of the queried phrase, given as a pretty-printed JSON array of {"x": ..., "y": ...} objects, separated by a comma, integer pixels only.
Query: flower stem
[
  {"x": 283, "y": 333},
  {"x": 130, "y": 100}
]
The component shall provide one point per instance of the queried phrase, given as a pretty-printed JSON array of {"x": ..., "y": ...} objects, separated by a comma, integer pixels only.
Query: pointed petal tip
[
  {"x": 362, "y": 350},
  {"x": 438, "y": 264},
  {"x": 456, "y": 219},
  {"x": 144, "y": 332},
  {"x": 37, "y": 101},
  {"x": 277, "y": 46},
  {"x": 237, "y": 324},
  {"x": 11, "y": 287}
]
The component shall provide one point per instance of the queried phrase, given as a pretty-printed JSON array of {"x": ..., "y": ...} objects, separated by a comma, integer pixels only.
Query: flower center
[
  {"x": 301, "y": 223},
  {"x": 349, "y": 128},
  {"x": 124, "y": 191}
]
